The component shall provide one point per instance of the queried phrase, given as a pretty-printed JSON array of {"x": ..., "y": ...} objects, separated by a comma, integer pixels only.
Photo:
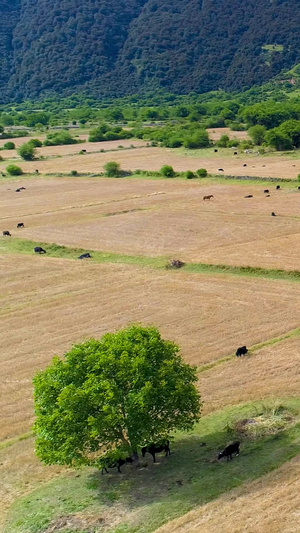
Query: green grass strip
[
  {"x": 23, "y": 246},
  {"x": 9, "y": 442}
]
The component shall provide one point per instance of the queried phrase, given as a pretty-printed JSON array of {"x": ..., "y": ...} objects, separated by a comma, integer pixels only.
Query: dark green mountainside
[{"x": 117, "y": 47}]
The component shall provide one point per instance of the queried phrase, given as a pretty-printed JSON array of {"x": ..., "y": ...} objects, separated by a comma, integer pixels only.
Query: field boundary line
[
  {"x": 269, "y": 342},
  {"x": 24, "y": 246}
]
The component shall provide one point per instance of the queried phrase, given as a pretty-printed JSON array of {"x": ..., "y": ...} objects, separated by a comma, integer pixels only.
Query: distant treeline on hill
[{"x": 125, "y": 47}]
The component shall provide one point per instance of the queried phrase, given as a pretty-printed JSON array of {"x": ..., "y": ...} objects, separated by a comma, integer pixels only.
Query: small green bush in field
[{"x": 14, "y": 170}]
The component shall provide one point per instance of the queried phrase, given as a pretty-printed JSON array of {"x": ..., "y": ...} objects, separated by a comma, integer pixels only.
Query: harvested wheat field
[
  {"x": 272, "y": 371},
  {"x": 72, "y": 149},
  {"x": 47, "y": 304},
  {"x": 216, "y": 133},
  {"x": 267, "y": 505},
  {"x": 152, "y": 158},
  {"x": 159, "y": 218}
]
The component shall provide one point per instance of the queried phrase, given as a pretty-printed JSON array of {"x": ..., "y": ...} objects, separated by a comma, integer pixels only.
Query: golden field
[{"x": 159, "y": 218}]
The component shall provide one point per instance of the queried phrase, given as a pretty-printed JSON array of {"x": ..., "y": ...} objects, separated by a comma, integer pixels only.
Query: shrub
[
  {"x": 202, "y": 172},
  {"x": 112, "y": 169},
  {"x": 298, "y": 177},
  {"x": 167, "y": 171},
  {"x": 26, "y": 151},
  {"x": 9, "y": 146},
  {"x": 223, "y": 141},
  {"x": 36, "y": 143},
  {"x": 14, "y": 170},
  {"x": 63, "y": 137},
  {"x": 74, "y": 173},
  {"x": 190, "y": 175},
  {"x": 1, "y": 158}
]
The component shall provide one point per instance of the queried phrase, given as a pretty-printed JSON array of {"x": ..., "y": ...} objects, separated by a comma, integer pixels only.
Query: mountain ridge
[{"x": 123, "y": 47}]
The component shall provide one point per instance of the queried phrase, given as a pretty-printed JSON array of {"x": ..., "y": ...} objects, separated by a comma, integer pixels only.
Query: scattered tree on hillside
[
  {"x": 111, "y": 396},
  {"x": 257, "y": 134}
]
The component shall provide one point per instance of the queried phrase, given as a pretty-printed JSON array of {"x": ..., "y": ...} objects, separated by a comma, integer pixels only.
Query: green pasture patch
[{"x": 144, "y": 498}]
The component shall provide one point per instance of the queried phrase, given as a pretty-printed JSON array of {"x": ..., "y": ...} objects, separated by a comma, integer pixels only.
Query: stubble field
[{"x": 48, "y": 304}]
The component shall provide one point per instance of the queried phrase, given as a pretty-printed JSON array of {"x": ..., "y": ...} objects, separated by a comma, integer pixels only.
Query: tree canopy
[{"x": 111, "y": 396}]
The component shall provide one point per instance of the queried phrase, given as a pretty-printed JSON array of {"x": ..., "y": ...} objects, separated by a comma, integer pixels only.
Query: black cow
[
  {"x": 39, "y": 250},
  {"x": 249, "y": 196},
  {"x": 37, "y": 171},
  {"x": 229, "y": 450},
  {"x": 298, "y": 188},
  {"x": 156, "y": 448},
  {"x": 117, "y": 464},
  {"x": 18, "y": 190},
  {"x": 273, "y": 214},
  {"x": 244, "y": 165},
  {"x": 220, "y": 169},
  {"x": 242, "y": 350},
  {"x": 6, "y": 234},
  {"x": 22, "y": 188},
  {"x": 266, "y": 191},
  {"x": 215, "y": 150},
  {"x": 85, "y": 256},
  {"x": 267, "y": 195},
  {"x": 20, "y": 225},
  {"x": 277, "y": 187},
  {"x": 235, "y": 153}
]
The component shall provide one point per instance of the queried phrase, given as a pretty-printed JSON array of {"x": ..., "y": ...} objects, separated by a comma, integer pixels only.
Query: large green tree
[{"x": 109, "y": 397}]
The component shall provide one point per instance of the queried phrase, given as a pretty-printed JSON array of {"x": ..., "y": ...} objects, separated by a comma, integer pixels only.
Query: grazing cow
[
  {"x": 267, "y": 195},
  {"x": 18, "y": 190},
  {"x": 266, "y": 191},
  {"x": 235, "y": 153},
  {"x": 229, "y": 450},
  {"x": 215, "y": 150},
  {"x": 273, "y": 214},
  {"x": 20, "y": 225},
  {"x": 220, "y": 169},
  {"x": 37, "y": 171},
  {"x": 208, "y": 197},
  {"x": 117, "y": 464},
  {"x": 85, "y": 256},
  {"x": 83, "y": 151},
  {"x": 39, "y": 250},
  {"x": 249, "y": 196},
  {"x": 244, "y": 165},
  {"x": 156, "y": 448},
  {"x": 277, "y": 187},
  {"x": 22, "y": 188},
  {"x": 2, "y": 174},
  {"x": 242, "y": 350},
  {"x": 6, "y": 234}
]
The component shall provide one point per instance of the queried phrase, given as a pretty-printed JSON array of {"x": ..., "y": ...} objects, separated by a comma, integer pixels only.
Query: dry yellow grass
[
  {"x": 268, "y": 505},
  {"x": 47, "y": 304},
  {"x": 272, "y": 371},
  {"x": 71, "y": 149},
  {"x": 152, "y": 158},
  {"x": 159, "y": 218},
  {"x": 216, "y": 133}
]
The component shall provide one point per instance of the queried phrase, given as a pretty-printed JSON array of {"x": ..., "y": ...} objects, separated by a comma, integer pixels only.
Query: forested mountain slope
[{"x": 116, "y": 47}]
